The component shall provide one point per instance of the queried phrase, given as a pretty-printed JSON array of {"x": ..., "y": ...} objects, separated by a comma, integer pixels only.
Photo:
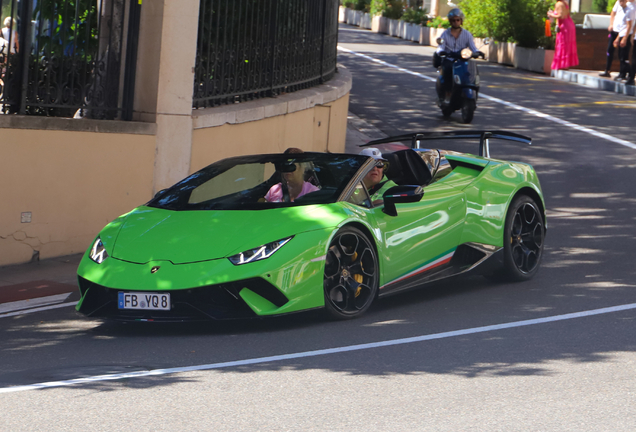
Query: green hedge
[
  {"x": 360, "y": 5},
  {"x": 603, "y": 6},
  {"x": 520, "y": 21},
  {"x": 387, "y": 8},
  {"x": 415, "y": 16},
  {"x": 438, "y": 22}
]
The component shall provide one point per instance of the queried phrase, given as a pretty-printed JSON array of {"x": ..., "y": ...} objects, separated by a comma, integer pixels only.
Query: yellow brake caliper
[{"x": 357, "y": 277}]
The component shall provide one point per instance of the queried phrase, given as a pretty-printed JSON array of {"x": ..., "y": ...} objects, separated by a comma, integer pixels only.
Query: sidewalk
[
  {"x": 36, "y": 285},
  {"x": 591, "y": 79}
]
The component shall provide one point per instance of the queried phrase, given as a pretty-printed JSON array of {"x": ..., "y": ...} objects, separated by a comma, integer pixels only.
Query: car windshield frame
[{"x": 333, "y": 173}]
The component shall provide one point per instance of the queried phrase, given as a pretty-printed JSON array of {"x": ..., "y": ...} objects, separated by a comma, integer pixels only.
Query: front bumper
[
  {"x": 291, "y": 280},
  {"x": 213, "y": 302}
]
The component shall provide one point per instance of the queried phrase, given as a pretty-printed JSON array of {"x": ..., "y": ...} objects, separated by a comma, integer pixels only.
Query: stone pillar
[
  {"x": 434, "y": 8},
  {"x": 164, "y": 83}
]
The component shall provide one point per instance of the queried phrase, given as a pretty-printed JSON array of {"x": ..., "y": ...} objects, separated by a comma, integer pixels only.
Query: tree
[{"x": 520, "y": 21}]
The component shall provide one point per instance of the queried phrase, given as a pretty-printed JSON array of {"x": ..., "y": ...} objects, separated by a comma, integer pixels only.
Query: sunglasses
[
  {"x": 380, "y": 164},
  {"x": 455, "y": 20}
]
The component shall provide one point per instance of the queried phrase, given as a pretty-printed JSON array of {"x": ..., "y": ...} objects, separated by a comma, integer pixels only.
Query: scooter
[{"x": 464, "y": 88}]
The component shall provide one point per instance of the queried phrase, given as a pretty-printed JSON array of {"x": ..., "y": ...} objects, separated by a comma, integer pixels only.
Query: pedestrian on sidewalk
[
  {"x": 10, "y": 35},
  {"x": 565, "y": 53},
  {"x": 621, "y": 20},
  {"x": 632, "y": 63}
]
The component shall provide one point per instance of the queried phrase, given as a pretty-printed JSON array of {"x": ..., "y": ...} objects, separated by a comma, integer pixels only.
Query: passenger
[
  {"x": 294, "y": 185},
  {"x": 375, "y": 181}
]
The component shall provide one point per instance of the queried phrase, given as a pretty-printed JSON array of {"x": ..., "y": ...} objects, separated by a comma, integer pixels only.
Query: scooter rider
[{"x": 454, "y": 39}]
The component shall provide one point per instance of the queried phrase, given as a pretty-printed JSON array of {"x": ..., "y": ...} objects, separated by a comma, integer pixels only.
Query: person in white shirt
[
  {"x": 454, "y": 39},
  {"x": 621, "y": 20},
  {"x": 10, "y": 35},
  {"x": 632, "y": 66}
]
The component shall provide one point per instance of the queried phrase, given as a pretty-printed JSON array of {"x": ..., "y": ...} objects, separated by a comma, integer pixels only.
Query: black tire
[
  {"x": 468, "y": 110},
  {"x": 524, "y": 236},
  {"x": 447, "y": 111},
  {"x": 351, "y": 274}
]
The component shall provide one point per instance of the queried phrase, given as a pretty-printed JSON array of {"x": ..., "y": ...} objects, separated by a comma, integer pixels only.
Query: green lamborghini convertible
[{"x": 240, "y": 239}]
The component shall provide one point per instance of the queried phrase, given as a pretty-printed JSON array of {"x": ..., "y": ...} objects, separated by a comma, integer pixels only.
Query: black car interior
[{"x": 406, "y": 167}]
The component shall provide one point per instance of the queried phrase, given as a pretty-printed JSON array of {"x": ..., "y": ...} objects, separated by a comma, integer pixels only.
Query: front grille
[{"x": 218, "y": 302}]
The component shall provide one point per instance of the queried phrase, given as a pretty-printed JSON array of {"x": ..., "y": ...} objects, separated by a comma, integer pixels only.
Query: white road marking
[
  {"x": 276, "y": 358},
  {"x": 39, "y": 309},
  {"x": 508, "y": 104},
  {"x": 31, "y": 303}
]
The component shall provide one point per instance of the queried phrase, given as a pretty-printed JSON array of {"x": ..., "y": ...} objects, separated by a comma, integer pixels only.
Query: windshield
[{"x": 263, "y": 182}]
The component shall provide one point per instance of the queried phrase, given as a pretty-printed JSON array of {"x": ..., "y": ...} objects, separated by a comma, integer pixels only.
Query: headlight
[
  {"x": 466, "y": 53},
  {"x": 98, "y": 251},
  {"x": 259, "y": 253}
]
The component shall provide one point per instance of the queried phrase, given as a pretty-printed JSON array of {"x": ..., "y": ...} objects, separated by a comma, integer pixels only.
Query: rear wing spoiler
[{"x": 483, "y": 136}]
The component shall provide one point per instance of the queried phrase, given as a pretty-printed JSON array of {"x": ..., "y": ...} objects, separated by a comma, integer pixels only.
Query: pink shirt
[{"x": 275, "y": 193}]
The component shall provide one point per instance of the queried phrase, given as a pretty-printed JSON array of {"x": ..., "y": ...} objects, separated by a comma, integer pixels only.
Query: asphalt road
[{"x": 482, "y": 356}]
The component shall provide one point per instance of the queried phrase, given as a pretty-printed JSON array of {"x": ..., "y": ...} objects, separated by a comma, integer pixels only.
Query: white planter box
[
  {"x": 491, "y": 53},
  {"x": 547, "y": 62},
  {"x": 365, "y": 21},
  {"x": 394, "y": 27},
  {"x": 411, "y": 32},
  {"x": 529, "y": 59},
  {"x": 506, "y": 53},
  {"x": 425, "y": 35},
  {"x": 380, "y": 24},
  {"x": 479, "y": 43},
  {"x": 434, "y": 33},
  {"x": 401, "y": 29},
  {"x": 353, "y": 17},
  {"x": 535, "y": 60},
  {"x": 502, "y": 53}
]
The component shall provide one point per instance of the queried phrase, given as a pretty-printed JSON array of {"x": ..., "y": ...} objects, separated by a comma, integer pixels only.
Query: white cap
[{"x": 372, "y": 152}]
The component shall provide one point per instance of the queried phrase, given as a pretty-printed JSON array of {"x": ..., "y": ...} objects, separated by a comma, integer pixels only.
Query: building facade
[{"x": 63, "y": 179}]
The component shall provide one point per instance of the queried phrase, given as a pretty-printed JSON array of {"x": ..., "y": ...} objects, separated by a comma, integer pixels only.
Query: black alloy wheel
[
  {"x": 524, "y": 234},
  {"x": 351, "y": 274}
]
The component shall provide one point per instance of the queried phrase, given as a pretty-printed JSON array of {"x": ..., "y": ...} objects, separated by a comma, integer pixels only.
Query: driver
[
  {"x": 294, "y": 182},
  {"x": 454, "y": 39}
]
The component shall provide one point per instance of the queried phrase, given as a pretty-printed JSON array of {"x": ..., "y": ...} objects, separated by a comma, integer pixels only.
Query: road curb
[{"x": 599, "y": 83}]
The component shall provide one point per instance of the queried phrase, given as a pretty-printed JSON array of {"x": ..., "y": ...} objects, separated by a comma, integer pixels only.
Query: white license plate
[{"x": 143, "y": 300}]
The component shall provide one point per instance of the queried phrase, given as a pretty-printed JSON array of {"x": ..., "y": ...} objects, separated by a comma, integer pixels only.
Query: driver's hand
[{"x": 481, "y": 54}]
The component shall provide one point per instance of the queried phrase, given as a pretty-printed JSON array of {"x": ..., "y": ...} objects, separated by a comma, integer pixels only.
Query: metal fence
[
  {"x": 247, "y": 49},
  {"x": 69, "y": 58}
]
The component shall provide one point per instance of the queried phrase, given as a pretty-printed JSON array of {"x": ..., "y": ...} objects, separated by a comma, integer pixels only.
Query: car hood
[{"x": 190, "y": 236}]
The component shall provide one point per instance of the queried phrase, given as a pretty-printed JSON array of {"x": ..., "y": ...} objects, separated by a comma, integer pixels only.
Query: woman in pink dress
[{"x": 565, "y": 55}]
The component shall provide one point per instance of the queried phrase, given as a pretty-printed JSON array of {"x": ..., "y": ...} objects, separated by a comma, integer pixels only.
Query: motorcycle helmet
[{"x": 455, "y": 13}]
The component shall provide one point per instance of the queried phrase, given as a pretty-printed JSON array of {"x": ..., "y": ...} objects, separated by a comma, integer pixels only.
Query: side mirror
[
  {"x": 486, "y": 41},
  {"x": 401, "y": 195},
  {"x": 439, "y": 41}
]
